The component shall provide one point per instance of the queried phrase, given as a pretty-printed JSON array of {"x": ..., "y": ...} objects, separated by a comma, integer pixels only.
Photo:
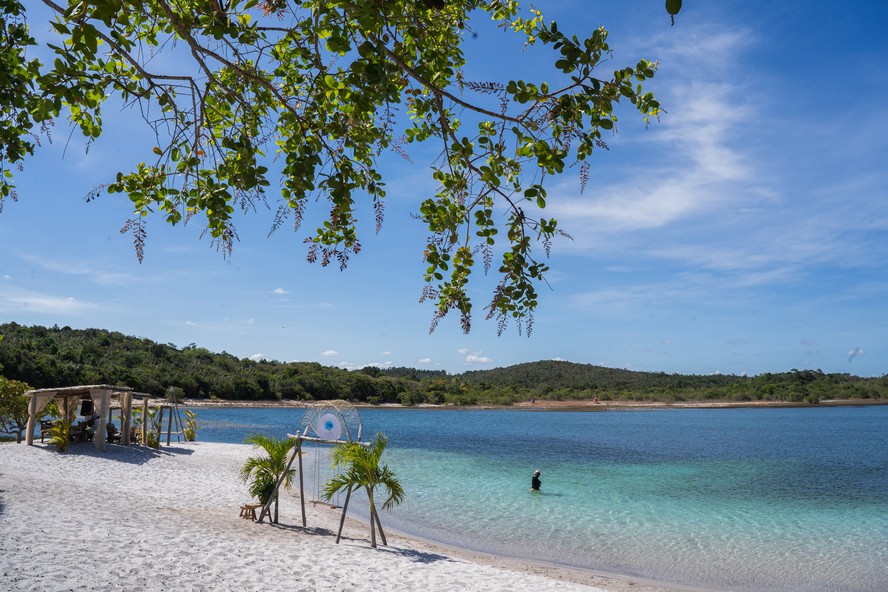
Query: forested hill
[
  {"x": 50, "y": 357},
  {"x": 553, "y": 375}
]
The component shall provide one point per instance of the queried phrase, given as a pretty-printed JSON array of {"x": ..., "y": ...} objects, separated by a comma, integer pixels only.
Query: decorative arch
[{"x": 334, "y": 423}]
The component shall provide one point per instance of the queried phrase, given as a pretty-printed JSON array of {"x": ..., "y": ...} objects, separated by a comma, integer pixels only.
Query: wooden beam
[
  {"x": 32, "y": 411},
  {"x": 301, "y": 483},
  {"x": 344, "y": 510},
  {"x": 104, "y": 397},
  {"x": 126, "y": 403},
  {"x": 145, "y": 422},
  {"x": 170, "y": 427}
]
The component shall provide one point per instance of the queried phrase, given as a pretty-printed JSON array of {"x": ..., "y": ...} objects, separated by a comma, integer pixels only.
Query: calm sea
[{"x": 736, "y": 499}]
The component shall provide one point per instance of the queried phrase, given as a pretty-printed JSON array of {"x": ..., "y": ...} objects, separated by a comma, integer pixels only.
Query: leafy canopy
[
  {"x": 318, "y": 90},
  {"x": 13, "y": 407}
]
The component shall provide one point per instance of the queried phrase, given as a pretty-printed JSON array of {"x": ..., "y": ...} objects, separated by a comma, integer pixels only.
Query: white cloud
[
  {"x": 45, "y": 304},
  {"x": 424, "y": 361},
  {"x": 695, "y": 167},
  {"x": 707, "y": 198},
  {"x": 477, "y": 359},
  {"x": 329, "y": 353},
  {"x": 855, "y": 353},
  {"x": 93, "y": 271},
  {"x": 463, "y": 350},
  {"x": 258, "y": 357},
  {"x": 190, "y": 324},
  {"x": 385, "y": 353},
  {"x": 346, "y": 365},
  {"x": 704, "y": 289},
  {"x": 280, "y": 291}
]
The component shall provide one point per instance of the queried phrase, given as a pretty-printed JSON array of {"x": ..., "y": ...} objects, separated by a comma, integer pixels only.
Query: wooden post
[
  {"x": 348, "y": 495},
  {"x": 32, "y": 411},
  {"x": 99, "y": 439},
  {"x": 160, "y": 425},
  {"x": 301, "y": 486},
  {"x": 170, "y": 427},
  {"x": 145, "y": 421},
  {"x": 178, "y": 424},
  {"x": 125, "y": 422}
]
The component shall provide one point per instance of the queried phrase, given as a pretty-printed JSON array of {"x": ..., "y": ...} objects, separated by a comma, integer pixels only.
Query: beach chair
[
  {"x": 78, "y": 432},
  {"x": 45, "y": 426},
  {"x": 113, "y": 433}
]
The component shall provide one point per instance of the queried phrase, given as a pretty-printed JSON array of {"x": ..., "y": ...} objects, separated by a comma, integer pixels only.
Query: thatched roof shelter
[{"x": 100, "y": 395}]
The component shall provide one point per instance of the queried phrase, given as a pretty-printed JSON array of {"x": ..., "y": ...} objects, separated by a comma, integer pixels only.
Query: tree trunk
[
  {"x": 372, "y": 522},
  {"x": 379, "y": 526},
  {"x": 277, "y": 497}
]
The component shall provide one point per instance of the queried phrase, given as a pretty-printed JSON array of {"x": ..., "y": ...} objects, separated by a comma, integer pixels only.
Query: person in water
[{"x": 535, "y": 482}]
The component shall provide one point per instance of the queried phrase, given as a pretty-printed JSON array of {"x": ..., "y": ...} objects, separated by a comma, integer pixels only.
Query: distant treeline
[{"x": 53, "y": 357}]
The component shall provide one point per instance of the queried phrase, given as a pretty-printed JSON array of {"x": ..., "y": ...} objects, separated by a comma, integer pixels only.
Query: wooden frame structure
[
  {"x": 99, "y": 394},
  {"x": 174, "y": 417},
  {"x": 328, "y": 423}
]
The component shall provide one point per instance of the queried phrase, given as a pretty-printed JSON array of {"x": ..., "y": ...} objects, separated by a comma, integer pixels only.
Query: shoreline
[
  {"x": 610, "y": 582},
  {"x": 135, "y": 518},
  {"x": 546, "y": 405},
  {"x": 562, "y": 572}
]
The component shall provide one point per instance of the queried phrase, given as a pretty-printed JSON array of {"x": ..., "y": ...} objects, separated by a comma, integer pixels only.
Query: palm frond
[{"x": 265, "y": 470}]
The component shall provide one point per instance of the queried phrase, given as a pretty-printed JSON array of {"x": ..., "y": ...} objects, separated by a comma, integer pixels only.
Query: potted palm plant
[{"x": 362, "y": 470}]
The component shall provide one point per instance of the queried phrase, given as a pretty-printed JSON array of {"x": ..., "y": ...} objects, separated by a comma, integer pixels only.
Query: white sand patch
[{"x": 139, "y": 519}]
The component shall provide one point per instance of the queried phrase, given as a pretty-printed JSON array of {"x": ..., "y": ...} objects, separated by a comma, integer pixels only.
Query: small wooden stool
[{"x": 249, "y": 511}]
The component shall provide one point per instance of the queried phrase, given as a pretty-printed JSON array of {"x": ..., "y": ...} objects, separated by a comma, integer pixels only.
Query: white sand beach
[{"x": 133, "y": 518}]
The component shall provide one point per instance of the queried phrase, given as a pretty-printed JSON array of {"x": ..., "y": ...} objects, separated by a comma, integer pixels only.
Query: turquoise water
[{"x": 739, "y": 499}]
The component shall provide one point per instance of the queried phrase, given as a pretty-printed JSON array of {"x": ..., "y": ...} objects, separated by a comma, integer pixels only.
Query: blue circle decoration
[{"x": 329, "y": 426}]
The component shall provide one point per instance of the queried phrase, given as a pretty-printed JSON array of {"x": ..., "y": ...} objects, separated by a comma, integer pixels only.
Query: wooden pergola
[{"x": 100, "y": 395}]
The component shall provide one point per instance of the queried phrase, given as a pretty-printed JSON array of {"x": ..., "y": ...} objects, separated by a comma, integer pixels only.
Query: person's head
[{"x": 537, "y": 472}]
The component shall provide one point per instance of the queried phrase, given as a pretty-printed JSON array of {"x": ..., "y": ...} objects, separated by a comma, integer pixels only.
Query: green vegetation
[
  {"x": 60, "y": 434},
  {"x": 263, "y": 472},
  {"x": 50, "y": 357},
  {"x": 190, "y": 431},
  {"x": 328, "y": 87},
  {"x": 13, "y": 407},
  {"x": 362, "y": 471}
]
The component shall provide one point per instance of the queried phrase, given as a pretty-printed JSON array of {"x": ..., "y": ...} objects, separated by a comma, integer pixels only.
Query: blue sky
[{"x": 745, "y": 233}]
